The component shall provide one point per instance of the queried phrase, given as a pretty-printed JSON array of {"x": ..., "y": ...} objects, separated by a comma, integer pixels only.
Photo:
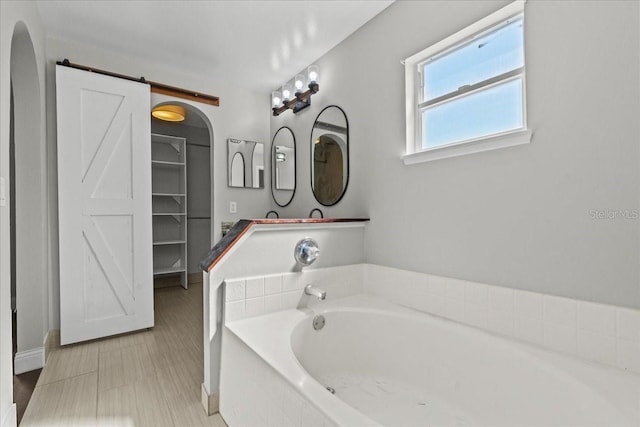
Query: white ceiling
[{"x": 255, "y": 44}]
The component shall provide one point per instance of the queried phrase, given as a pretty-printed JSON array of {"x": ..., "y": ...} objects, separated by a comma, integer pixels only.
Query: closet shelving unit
[{"x": 169, "y": 206}]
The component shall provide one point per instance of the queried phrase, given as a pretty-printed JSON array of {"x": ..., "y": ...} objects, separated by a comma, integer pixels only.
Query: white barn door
[{"x": 104, "y": 205}]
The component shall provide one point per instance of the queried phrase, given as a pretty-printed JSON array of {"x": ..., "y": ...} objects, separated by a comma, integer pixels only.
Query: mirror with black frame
[
  {"x": 330, "y": 155},
  {"x": 245, "y": 163},
  {"x": 283, "y": 166}
]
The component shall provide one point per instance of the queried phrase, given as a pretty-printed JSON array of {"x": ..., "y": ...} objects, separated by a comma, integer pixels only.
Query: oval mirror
[
  {"x": 330, "y": 155},
  {"x": 283, "y": 166}
]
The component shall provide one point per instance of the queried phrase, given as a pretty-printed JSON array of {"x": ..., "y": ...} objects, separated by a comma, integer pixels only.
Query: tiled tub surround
[
  {"x": 601, "y": 333},
  {"x": 597, "y": 332},
  {"x": 255, "y": 296},
  {"x": 560, "y": 324}
]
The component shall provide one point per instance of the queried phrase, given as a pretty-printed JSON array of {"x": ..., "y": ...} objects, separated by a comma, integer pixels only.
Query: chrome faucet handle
[{"x": 306, "y": 251}]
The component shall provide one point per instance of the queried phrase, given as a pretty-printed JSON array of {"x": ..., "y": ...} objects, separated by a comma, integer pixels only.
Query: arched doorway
[
  {"x": 198, "y": 132},
  {"x": 28, "y": 206}
]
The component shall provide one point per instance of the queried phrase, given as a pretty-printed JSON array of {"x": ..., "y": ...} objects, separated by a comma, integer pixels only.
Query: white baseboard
[
  {"x": 210, "y": 402},
  {"x": 10, "y": 418},
  {"x": 51, "y": 342},
  {"x": 29, "y": 360}
]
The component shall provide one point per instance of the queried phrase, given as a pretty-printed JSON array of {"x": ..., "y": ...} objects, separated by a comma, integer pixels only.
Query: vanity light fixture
[
  {"x": 292, "y": 97},
  {"x": 169, "y": 113}
]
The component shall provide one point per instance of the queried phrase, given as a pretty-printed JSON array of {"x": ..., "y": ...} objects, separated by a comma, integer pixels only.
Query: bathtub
[{"x": 393, "y": 366}]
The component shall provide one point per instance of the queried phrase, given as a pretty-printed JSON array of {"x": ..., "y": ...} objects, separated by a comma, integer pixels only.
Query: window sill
[{"x": 469, "y": 147}]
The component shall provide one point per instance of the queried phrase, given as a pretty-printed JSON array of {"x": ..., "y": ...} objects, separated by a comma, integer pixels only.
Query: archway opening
[
  {"x": 198, "y": 133},
  {"x": 28, "y": 215}
]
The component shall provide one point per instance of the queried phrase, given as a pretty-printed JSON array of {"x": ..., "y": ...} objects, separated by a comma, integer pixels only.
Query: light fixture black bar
[{"x": 300, "y": 102}]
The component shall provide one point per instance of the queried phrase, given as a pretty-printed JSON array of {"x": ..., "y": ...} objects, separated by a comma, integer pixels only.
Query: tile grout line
[
  {"x": 66, "y": 378},
  {"x": 97, "y": 384},
  {"x": 97, "y": 387}
]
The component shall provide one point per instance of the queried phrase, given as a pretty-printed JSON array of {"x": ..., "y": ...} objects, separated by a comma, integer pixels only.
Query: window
[{"x": 467, "y": 93}]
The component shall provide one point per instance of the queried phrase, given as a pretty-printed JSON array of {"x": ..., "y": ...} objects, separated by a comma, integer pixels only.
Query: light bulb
[
  {"x": 286, "y": 92},
  {"x": 299, "y": 83},
  {"x": 276, "y": 99},
  {"x": 313, "y": 72}
]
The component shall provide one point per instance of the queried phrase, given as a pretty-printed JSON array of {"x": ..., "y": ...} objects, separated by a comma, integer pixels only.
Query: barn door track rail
[{"x": 155, "y": 86}]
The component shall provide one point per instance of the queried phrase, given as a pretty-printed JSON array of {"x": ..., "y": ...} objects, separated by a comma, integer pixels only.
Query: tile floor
[
  {"x": 23, "y": 386},
  {"x": 149, "y": 378}
]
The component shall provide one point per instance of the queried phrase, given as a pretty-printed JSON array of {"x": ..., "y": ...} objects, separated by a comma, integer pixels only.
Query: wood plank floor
[{"x": 149, "y": 378}]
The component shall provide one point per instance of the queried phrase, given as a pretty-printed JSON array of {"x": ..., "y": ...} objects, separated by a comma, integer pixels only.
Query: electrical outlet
[{"x": 233, "y": 207}]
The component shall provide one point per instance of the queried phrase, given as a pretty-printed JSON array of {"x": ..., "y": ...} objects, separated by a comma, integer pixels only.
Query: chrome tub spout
[{"x": 315, "y": 292}]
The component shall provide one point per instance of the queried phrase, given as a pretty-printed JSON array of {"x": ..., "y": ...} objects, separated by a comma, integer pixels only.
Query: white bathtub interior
[
  {"x": 393, "y": 365},
  {"x": 404, "y": 368}
]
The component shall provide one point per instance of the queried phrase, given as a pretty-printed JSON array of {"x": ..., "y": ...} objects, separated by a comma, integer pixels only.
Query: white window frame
[{"x": 413, "y": 92}]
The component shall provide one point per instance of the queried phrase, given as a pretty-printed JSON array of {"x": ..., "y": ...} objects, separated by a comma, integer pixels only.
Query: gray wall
[
  {"x": 12, "y": 207},
  {"x": 520, "y": 217}
]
